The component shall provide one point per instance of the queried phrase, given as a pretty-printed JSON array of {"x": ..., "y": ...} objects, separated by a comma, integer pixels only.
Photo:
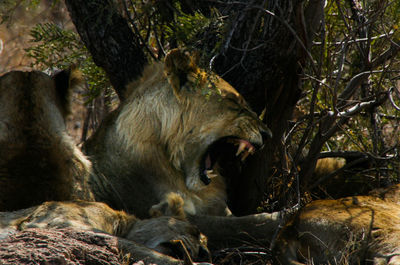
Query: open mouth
[{"x": 227, "y": 148}]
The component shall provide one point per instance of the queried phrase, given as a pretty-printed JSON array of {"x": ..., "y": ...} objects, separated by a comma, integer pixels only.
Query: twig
[
  {"x": 136, "y": 30},
  {"x": 345, "y": 115},
  {"x": 357, "y": 40},
  {"x": 354, "y": 83},
  {"x": 268, "y": 12},
  {"x": 355, "y": 109},
  {"x": 159, "y": 44},
  {"x": 232, "y": 30},
  {"x": 248, "y": 49},
  {"x": 342, "y": 154},
  {"x": 284, "y": 216},
  {"x": 211, "y": 64},
  {"x": 284, "y": 22},
  {"x": 251, "y": 32},
  {"x": 391, "y": 98},
  {"x": 340, "y": 71},
  {"x": 389, "y": 117},
  {"x": 388, "y": 54}
]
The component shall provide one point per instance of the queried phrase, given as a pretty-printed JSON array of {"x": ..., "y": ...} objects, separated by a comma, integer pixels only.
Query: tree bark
[{"x": 109, "y": 39}]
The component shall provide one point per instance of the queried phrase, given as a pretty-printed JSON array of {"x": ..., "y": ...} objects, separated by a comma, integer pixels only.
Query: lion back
[{"x": 38, "y": 160}]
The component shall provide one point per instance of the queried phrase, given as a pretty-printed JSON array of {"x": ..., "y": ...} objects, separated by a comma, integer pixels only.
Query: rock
[{"x": 61, "y": 246}]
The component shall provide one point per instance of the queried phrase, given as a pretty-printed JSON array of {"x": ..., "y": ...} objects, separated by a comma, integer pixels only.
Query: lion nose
[{"x": 265, "y": 133}]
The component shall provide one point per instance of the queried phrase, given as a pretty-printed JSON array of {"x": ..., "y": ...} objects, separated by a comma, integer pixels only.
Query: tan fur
[
  {"x": 179, "y": 63},
  {"x": 38, "y": 160},
  {"x": 173, "y": 205},
  {"x": 328, "y": 165},
  {"x": 158, "y": 233},
  {"x": 345, "y": 230},
  {"x": 155, "y": 142}
]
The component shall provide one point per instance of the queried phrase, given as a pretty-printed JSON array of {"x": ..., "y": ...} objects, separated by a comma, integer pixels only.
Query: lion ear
[
  {"x": 179, "y": 67},
  {"x": 65, "y": 81}
]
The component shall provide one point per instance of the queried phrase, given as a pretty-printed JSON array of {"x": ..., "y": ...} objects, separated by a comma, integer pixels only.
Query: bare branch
[
  {"x": 354, "y": 83},
  {"x": 295, "y": 35},
  {"x": 345, "y": 115},
  {"x": 387, "y": 55},
  {"x": 343, "y": 154},
  {"x": 355, "y": 109},
  {"x": 391, "y": 98},
  {"x": 136, "y": 30},
  {"x": 382, "y": 36}
]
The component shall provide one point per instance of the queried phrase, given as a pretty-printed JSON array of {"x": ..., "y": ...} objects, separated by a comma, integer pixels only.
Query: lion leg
[
  {"x": 171, "y": 236},
  {"x": 222, "y": 231},
  {"x": 140, "y": 252},
  {"x": 233, "y": 231}
]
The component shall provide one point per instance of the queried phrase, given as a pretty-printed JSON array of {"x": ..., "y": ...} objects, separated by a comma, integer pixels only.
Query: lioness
[
  {"x": 164, "y": 234},
  {"x": 171, "y": 134},
  {"x": 352, "y": 230},
  {"x": 38, "y": 160}
]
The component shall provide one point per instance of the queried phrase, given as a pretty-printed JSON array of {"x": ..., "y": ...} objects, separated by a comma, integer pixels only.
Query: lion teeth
[
  {"x": 241, "y": 148},
  {"x": 245, "y": 155},
  {"x": 251, "y": 150},
  {"x": 211, "y": 174}
]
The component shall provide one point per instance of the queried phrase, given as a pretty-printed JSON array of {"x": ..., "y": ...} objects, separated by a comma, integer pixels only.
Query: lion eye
[{"x": 234, "y": 109}]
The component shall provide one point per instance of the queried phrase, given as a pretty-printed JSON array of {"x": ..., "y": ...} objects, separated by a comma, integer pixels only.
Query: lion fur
[{"x": 38, "y": 159}]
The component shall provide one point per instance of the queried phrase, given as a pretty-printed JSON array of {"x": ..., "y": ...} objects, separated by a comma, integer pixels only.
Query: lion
[
  {"x": 174, "y": 132},
  {"x": 350, "y": 230},
  {"x": 168, "y": 235},
  {"x": 40, "y": 166},
  {"x": 38, "y": 160}
]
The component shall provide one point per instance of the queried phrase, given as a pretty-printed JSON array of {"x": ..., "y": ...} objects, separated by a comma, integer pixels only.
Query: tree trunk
[{"x": 109, "y": 39}]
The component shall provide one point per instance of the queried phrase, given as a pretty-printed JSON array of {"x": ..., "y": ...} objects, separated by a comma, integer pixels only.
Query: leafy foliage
[
  {"x": 57, "y": 48},
  {"x": 163, "y": 25}
]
